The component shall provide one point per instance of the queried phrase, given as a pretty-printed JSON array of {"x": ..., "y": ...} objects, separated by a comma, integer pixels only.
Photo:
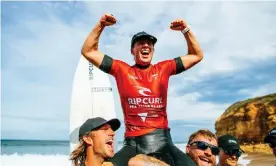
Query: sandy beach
[{"x": 260, "y": 159}]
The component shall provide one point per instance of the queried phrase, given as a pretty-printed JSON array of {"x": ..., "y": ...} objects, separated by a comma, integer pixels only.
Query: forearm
[
  {"x": 193, "y": 45},
  {"x": 92, "y": 41}
]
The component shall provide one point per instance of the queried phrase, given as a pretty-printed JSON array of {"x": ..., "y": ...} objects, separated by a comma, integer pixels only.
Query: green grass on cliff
[{"x": 271, "y": 99}]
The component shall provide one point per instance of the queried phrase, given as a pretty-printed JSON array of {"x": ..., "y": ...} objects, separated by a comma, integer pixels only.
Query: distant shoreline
[{"x": 257, "y": 159}]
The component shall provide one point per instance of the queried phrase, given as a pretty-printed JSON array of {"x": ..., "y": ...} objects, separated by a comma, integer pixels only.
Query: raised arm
[
  {"x": 195, "y": 53},
  {"x": 90, "y": 48}
]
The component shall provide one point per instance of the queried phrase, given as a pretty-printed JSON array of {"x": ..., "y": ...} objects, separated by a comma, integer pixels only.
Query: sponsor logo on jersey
[
  {"x": 147, "y": 100},
  {"x": 132, "y": 77},
  {"x": 143, "y": 91},
  {"x": 154, "y": 76},
  {"x": 143, "y": 116}
]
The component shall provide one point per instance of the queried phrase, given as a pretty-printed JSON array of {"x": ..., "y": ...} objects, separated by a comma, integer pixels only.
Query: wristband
[{"x": 185, "y": 30}]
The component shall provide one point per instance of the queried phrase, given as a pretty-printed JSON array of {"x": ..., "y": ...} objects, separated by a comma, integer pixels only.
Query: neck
[
  {"x": 93, "y": 159},
  {"x": 142, "y": 66}
]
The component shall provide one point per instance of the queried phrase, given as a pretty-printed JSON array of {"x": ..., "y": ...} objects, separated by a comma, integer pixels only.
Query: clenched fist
[
  {"x": 108, "y": 19},
  {"x": 178, "y": 25}
]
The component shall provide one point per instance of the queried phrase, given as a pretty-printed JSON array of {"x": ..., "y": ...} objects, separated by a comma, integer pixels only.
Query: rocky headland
[{"x": 249, "y": 121}]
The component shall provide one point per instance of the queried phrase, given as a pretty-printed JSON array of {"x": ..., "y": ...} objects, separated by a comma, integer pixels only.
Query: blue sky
[{"x": 41, "y": 44}]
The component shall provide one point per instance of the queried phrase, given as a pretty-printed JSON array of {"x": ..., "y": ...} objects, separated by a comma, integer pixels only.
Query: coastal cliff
[{"x": 249, "y": 121}]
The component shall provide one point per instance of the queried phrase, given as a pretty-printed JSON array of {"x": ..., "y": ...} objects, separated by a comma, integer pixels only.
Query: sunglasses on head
[
  {"x": 235, "y": 152},
  {"x": 204, "y": 145},
  {"x": 272, "y": 145}
]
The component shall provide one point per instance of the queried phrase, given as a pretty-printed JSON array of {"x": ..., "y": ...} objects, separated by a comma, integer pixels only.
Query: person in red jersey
[{"x": 143, "y": 90}]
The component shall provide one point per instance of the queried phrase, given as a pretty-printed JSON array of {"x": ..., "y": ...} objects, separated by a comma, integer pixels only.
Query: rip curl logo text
[
  {"x": 143, "y": 90},
  {"x": 147, "y": 100}
]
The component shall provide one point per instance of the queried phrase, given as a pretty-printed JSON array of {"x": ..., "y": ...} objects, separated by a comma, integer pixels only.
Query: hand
[
  {"x": 108, "y": 19},
  {"x": 178, "y": 25}
]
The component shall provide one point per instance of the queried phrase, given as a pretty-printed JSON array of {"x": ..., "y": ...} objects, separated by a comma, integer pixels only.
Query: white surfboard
[{"x": 92, "y": 96}]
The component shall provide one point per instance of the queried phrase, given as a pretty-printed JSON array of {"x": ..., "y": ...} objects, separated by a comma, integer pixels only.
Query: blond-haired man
[
  {"x": 96, "y": 137},
  {"x": 202, "y": 147}
]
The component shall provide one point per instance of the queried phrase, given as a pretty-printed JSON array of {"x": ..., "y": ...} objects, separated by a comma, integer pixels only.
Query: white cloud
[
  {"x": 227, "y": 32},
  {"x": 259, "y": 91},
  {"x": 189, "y": 107},
  {"x": 233, "y": 35},
  {"x": 38, "y": 74},
  {"x": 41, "y": 68}
]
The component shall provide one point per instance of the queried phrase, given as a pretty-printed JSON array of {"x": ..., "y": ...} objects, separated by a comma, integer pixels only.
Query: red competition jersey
[{"x": 143, "y": 94}]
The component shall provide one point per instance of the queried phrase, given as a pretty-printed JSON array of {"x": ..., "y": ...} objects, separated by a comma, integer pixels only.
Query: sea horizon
[
  {"x": 180, "y": 131},
  {"x": 55, "y": 151}
]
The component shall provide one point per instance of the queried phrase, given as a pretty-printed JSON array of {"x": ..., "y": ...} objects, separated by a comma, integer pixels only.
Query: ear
[
  {"x": 188, "y": 148},
  {"x": 88, "y": 140},
  {"x": 132, "y": 52},
  {"x": 220, "y": 153}
]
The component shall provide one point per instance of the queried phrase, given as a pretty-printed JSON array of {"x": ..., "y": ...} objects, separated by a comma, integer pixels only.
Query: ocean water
[
  {"x": 47, "y": 153},
  {"x": 56, "y": 153},
  {"x": 41, "y": 147}
]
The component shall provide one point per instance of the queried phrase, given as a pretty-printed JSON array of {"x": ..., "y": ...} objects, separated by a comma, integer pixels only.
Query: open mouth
[
  {"x": 145, "y": 51},
  {"x": 204, "y": 160},
  {"x": 110, "y": 143}
]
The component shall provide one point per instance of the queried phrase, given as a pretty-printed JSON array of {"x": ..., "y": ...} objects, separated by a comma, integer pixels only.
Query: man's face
[
  {"x": 228, "y": 159},
  {"x": 272, "y": 145},
  {"x": 202, "y": 157},
  {"x": 103, "y": 141},
  {"x": 143, "y": 51}
]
